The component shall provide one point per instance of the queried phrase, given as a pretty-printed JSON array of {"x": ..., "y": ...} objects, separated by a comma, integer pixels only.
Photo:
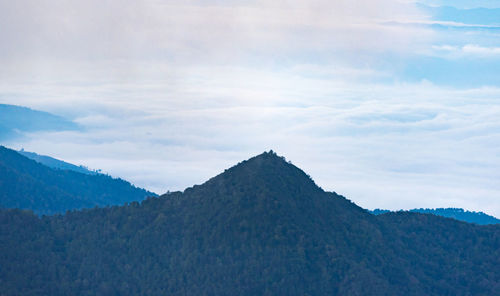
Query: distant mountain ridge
[
  {"x": 27, "y": 184},
  {"x": 16, "y": 120},
  {"x": 56, "y": 163},
  {"x": 455, "y": 213},
  {"x": 262, "y": 227}
]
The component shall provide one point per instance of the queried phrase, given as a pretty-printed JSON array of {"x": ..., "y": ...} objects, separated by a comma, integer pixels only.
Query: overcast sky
[{"x": 393, "y": 103}]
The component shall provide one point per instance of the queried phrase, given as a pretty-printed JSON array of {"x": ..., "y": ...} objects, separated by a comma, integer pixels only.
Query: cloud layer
[
  {"x": 424, "y": 146},
  {"x": 383, "y": 101}
]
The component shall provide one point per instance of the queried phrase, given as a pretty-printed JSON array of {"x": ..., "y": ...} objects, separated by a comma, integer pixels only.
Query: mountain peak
[
  {"x": 269, "y": 170},
  {"x": 264, "y": 225},
  {"x": 264, "y": 159}
]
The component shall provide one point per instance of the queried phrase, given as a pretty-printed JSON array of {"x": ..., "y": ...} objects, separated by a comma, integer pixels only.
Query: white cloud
[
  {"x": 479, "y": 50},
  {"x": 82, "y": 41},
  {"x": 171, "y": 93},
  {"x": 462, "y": 4},
  {"x": 398, "y": 146},
  {"x": 467, "y": 50}
]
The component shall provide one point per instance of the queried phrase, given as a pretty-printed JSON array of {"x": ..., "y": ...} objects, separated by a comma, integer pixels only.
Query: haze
[{"x": 394, "y": 104}]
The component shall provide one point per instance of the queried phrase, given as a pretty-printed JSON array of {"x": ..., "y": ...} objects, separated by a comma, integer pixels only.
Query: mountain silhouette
[
  {"x": 455, "y": 213},
  {"x": 27, "y": 184},
  {"x": 262, "y": 227},
  {"x": 56, "y": 163},
  {"x": 16, "y": 120}
]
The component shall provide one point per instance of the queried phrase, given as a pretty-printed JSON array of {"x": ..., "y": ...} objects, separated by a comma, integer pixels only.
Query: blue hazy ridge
[{"x": 15, "y": 120}]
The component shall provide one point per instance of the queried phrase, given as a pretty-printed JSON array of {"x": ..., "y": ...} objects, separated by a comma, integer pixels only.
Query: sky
[{"x": 394, "y": 104}]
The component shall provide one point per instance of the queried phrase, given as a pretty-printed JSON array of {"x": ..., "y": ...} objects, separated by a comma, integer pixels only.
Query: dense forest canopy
[
  {"x": 27, "y": 184},
  {"x": 262, "y": 227}
]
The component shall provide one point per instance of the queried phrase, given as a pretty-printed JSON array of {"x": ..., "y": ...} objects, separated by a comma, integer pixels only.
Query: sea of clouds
[{"x": 380, "y": 101}]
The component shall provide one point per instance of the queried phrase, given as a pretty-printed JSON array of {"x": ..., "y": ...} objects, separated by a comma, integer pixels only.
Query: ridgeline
[{"x": 262, "y": 227}]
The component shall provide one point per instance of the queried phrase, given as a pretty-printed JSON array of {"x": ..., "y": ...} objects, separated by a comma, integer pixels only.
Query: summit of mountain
[{"x": 266, "y": 192}]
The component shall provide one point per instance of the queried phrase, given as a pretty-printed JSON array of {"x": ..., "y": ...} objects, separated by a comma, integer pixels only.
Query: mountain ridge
[
  {"x": 27, "y": 184},
  {"x": 262, "y": 227},
  {"x": 16, "y": 120},
  {"x": 56, "y": 163},
  {"x": 453, "y": 213}
]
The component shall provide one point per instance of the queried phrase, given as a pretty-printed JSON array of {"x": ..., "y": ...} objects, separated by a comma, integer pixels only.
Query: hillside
[
  {"x": 15, "y": 120},
  {"x": 56, "y": 163},
  {"x": 262, "y": 227},
  {"x": 458, "y": 214},
  {"x": 27, "y": 184}
]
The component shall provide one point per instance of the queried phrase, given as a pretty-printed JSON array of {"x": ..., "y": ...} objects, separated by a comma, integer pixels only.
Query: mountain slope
[
  {"x": 458, "y": 214},
  {"x": 56, "y": 163},
  {"x": 260, "y": 228},
  {"x": 14, "y": 120},
  {"x": 27, "y": 184}
]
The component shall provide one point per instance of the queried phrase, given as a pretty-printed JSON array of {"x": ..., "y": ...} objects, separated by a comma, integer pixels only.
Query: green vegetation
[
  {"x": 27, "y": 184},
  {"x": 260, "y": 228}
]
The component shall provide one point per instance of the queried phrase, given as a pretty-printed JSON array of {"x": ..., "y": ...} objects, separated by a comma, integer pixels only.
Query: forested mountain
[
  {"x": 14, "y": 120},
  {"x": 459, "y": 214},
  {"x": 27, "y": 184},
  {"x": 56, "y": 163},
  {"x": 262, "y": 227}
]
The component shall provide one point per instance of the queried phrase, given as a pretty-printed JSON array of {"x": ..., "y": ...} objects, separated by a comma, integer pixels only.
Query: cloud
[
  {"x": 467, "y": 50},
  {"x": 398, "y": 146},
  {"x": 462, "y": 4},
  {"x": 80, "y": 41},
  {"x": 479, "y": 50},
  {"x": 171, "y": 93}
]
